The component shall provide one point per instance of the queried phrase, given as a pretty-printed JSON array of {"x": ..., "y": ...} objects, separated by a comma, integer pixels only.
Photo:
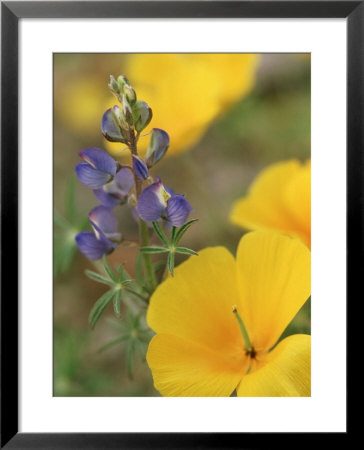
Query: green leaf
[
  {"x": 99, "y": 278},
  {"x": 63, "y": 256},
  {"x": 173, "y": 235},
  {"x": 129, "y": 357},
  {"x": 170, "y": 263},
  {"x": 154, "y": 249},
  {"x": 113, "y": 342},
  {"x": 99, "y": 307},
  {"x": 160, "y": 233},
  {"x": 183, "y": 230},
  {"x": 121, "y": 272},
  {"x": 70, "y": 199},
  {"x": 116, "y": 302},
  {"x": 108, "y": 269},
  {"x": 185, "y": 250},
  {"x": 60, "y": 221}
]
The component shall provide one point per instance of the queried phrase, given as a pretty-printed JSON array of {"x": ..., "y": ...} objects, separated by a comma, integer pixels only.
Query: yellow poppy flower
[
  {"x": 279, "y": 199},
  {"x": 199, "y": 349}
]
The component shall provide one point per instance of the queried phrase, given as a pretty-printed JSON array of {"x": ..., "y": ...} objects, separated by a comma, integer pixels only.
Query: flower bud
[
  {"x": 122, "y": 80},
  {"x": 112, "y": 126},
  {"x": 158, "y": 145},
  {"x": 114, "y": 85},
  {"x": 129, "y": 93},
  {"x": 140, "y": 168},
  {"x": 142, "y": 115},
  {"x": 127, "y": 112}
]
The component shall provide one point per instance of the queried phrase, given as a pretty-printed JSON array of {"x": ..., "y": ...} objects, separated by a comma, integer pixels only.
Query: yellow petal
[
  {"x": 297, "y": 198},
  {"x": 279, "y": 199},
  {"x": 274, "y": 282},
  {"x": 185, "y": 369},
  {"x": 287, "y": 372},
  {"x": 196, "y": 304}
]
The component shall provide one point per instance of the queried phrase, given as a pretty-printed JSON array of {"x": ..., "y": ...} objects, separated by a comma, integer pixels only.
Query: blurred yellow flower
[
  {"x": 185, "y": 91},
  {"x": 279, "y": 199},
  {"x": 80, "y": 105},
  {"x": 199, "y": 349}
]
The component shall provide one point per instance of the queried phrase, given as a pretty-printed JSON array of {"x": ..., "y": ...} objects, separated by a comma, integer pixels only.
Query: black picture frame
[{"x": 11, "y": 12}]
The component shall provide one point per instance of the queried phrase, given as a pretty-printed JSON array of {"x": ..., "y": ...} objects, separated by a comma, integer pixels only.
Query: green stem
[
  {"x": 144, "y": 242},
  {"x": 248, "y": 344},
  {"x": 143, "y": 227}
]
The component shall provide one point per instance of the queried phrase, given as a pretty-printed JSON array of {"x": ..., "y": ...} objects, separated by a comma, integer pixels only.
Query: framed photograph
[{"x": 174, "y": 274}]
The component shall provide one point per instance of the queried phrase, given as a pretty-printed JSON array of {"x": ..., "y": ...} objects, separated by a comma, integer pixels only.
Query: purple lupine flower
[
  {"x": 140, "y": 168},
  {"x": 103, "y": 239},
  {"x": 90, "y": 246},
  {"x": 116, "y": 192},
  {"x": 98, "y": 169},
  {"x": 157, "y": 202},
  {"x": 104, "y": 222},
  {"x": 158, "y": 145},
  {"x": 111, "y": 126},
  {"x": 178, "y": 210}
]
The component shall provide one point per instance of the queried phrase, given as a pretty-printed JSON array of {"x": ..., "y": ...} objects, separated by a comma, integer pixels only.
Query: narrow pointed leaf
[
  {"x": 60, "y": 221},
  {"x": 185, "y": 250},
  {"x": 116, "y": 302},
  {"x": 113, "y": 342},
  {"x": 154, "y": 249},
  {"x": 170, "y": 263},
  {"x": 182, "y": 230},
  {"x": 99, "y": 278},
  {"x": 174, "y": 232},
  {"x": 121, "y": 275},
  {"x": 70, "y": 199},
  {"x": 108, "y": 269},
  {"x": 99, "y": 307},
  {"x": 160, "y": 233}
]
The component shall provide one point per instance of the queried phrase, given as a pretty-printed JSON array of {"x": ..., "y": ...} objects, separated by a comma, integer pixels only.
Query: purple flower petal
[
  {"x": 178, "y": 210},
  {"x": 124, "y": 180},
  {"x": 109, "y": 126},
  {"x": 140, "y": 168},
  {"x": 152, "y": 202},
  {"x": 90, "y": 246},
  {"x": 90, "y": 177},
  {"x": 158, "y": 145},
  {"x": 136, "y": 217},
  {"x": 108, "y": 238},
  {"x": 106, "y": 198},
  {"x": 117, "y": 190},
  {"x": 104, "y": 218},
  {"x": 99, "y": 159}
]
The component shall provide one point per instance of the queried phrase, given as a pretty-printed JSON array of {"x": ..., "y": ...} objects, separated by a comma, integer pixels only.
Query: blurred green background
[{"x": 271, "y": 123}]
